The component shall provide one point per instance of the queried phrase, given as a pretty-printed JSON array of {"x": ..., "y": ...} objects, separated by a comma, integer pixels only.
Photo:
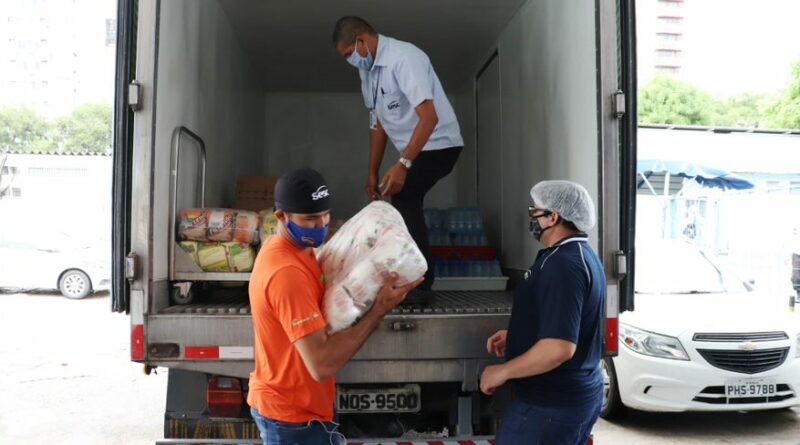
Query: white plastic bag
[{"x": 358, "y": 259}]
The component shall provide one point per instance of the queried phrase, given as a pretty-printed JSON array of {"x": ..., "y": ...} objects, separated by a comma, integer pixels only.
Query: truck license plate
[
  {"x": 750, "y": 388},
  {"x": 404, "y": 399}
]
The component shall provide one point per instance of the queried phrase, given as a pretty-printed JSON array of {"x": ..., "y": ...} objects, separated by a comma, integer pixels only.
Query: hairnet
[{"x": 569, "y": 199}]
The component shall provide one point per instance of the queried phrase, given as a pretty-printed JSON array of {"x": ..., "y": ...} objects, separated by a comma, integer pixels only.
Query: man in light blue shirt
[{"x": 407, "y": 104}]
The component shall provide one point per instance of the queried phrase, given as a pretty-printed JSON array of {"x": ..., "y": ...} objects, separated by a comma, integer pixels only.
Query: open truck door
[
  {"x": 617, "y": 123},
  {"x": 122, "y": 154}
]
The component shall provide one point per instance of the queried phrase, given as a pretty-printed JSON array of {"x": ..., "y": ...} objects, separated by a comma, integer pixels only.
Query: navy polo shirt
[{"x": 562, "y": 297}]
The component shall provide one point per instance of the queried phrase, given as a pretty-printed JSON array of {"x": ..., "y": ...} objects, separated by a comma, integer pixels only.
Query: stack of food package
[
  {"x": 358, "y": 259},
  {"x": 220, "y": 240}
]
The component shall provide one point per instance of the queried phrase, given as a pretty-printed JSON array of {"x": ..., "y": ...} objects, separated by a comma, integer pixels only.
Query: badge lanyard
[{"x": 373, "y": 117}]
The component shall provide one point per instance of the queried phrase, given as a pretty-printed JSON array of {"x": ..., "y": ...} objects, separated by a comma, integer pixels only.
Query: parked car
[
  {"x": 53, "y": 260},
  {"x": 700, "y": 339}
]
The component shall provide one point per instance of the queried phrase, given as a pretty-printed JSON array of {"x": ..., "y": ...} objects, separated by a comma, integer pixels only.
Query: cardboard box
[{"x": 255, "y": 193}]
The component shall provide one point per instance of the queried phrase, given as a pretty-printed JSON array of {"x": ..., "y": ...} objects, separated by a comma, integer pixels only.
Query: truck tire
[
  {"x": 74, "y": 284},
  {"x": 612, "y": 403}
]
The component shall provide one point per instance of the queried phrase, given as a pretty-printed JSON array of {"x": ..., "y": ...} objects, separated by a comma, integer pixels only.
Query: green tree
[
  {"x": 87, "y": 128},
  {"x": 747, "y": 110},
  {"x": 785, "y": 113},
  {"x": 666, "y": 100},
  {"x": 21, "y": 129}
]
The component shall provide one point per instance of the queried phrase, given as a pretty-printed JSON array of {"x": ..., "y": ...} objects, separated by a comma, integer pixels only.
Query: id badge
[{"x": 373, "y": 120}]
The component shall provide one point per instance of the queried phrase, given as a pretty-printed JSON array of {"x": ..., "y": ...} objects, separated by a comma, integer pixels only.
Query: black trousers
[{"x": 428, "y": 169}]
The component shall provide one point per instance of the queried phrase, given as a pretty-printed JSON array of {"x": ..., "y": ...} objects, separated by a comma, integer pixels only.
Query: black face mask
[{"x": 536, "y": 229}]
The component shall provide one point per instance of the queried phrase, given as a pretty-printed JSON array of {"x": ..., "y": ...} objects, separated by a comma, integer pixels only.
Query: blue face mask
[
  {"x": 307, "y": 237},
  {"x": 360, "y": 62}
]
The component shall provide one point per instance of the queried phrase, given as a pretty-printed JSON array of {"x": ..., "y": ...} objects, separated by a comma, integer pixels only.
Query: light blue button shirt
[{"x": 401, "y": 78}]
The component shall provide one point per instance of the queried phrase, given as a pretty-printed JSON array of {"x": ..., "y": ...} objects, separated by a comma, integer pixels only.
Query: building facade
[{"x": 56, "y": 54}]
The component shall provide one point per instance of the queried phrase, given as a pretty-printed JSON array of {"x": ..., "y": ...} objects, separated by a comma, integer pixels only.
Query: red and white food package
[{"x": 358, "y": 259}]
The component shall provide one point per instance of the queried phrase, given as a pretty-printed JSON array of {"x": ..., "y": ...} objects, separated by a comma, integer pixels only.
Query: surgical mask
[
  {"x": 537, "y": 230},
  {"x": 307, "y": 237},
  {"x": 359, "y": 61}
]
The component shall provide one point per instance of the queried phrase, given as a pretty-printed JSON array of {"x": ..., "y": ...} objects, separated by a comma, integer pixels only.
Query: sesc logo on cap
[{"x": 322, "y": 192}]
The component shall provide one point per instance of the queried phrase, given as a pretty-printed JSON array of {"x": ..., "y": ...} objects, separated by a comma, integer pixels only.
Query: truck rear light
[
  {"x": 612, "y": 336},
  {"x": 224, "y": 397},
  {"x": 137, "y": 342}
]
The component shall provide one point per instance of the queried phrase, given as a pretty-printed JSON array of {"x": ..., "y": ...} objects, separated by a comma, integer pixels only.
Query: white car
[
  {"x": 700, "y": 340},
  {"x": 54, "y": 261}
]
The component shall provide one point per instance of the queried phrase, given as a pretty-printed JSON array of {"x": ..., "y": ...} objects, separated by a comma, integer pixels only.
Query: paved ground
[{"x": 66, "y": 379}]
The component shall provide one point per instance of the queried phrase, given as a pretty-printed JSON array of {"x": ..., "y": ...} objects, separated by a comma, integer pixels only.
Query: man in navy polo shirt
[{"x": 553, "y": 344}]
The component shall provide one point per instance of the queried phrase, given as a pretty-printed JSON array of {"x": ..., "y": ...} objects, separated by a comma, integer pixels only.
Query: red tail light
[
  {"x": 224, "y": 396},
  {"x": 137, "y": 342},
  {"x": 612, "y": 336}
]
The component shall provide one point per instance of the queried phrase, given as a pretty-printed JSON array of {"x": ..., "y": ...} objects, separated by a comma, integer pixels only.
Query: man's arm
[
  {"x": 377, "y": 146},
  {"x": 394, "y": 179},
  {"x": 546, "y": 355},
  {"x": 325, "y": 354},
  {"x": 428, "y": 119}
]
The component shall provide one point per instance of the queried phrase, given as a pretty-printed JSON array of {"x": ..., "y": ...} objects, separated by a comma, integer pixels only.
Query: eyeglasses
[{"x": 544, "y": 212}]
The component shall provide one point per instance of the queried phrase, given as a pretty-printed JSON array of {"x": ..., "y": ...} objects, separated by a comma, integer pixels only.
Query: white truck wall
[
  {"x": 205, "y": 83},
  {"x": 548, "y": 106},
  {"x": 464, "y": 174},
  {"x": 329, "y": 132}
]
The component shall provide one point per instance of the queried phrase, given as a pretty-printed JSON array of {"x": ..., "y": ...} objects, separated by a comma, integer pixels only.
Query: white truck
[{"x": 543, "y": 89}]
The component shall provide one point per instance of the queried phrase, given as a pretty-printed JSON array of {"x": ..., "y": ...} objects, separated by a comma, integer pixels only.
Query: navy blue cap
[{"x": 302, "y": 191}]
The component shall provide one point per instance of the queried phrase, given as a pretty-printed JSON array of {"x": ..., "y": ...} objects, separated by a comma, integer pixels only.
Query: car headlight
[
  {"x": 654, "y": 345},
  {"x": 797, "y": 347}
]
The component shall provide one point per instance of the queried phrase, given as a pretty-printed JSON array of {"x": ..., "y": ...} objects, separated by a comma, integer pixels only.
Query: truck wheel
[
  {"x": 74, "y": 284},
  {"x": 612, "y": 403}
]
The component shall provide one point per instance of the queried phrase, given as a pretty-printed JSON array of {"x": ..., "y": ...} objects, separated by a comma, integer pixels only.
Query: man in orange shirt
[{"x": 292, "y": 388}]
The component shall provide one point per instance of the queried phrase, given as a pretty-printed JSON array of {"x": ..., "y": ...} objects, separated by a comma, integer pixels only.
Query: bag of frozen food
[
  {"x": 358, "y": 259},
  {"x": 241, "y": 256},
  {"x": 191, "y": 247},
  {"x": 213, "y": 257},
  {"x": 246, "y": 227},
  {"x": 269, "y": 224},
  {"x": 193, "y": 224},
  {"x": 221, "y": 223}
]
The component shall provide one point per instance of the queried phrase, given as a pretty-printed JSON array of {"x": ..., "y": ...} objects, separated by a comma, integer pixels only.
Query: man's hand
[
  {"x": 493, "y": 377},
  {"x": 496, "y": 344},
  {"x": 394, "y": 180},
  {"x": 391, "y": 295},
  {"x": 372, "y": 188}
]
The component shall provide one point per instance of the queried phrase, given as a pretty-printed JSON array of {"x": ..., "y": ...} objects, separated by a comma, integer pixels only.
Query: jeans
[
  {"x": 429, "y": 167},
  {"x": 314, "y": 432},
  {"x": 528, "y": 424}
]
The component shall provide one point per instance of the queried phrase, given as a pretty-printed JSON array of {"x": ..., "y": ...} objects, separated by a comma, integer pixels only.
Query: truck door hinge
[
  {"x": 619, "y": 104},
  {"x": 135, "y": 96},
  {"x": 621, "y": 264},
  {"x": 131, "y": 266}
]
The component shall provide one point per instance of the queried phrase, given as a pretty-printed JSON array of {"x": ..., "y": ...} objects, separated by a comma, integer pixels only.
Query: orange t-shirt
[{"x": 286, "y": 289}]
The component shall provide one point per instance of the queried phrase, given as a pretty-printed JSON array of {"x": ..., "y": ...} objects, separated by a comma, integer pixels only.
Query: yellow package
[{"x": 213, "y": 257}]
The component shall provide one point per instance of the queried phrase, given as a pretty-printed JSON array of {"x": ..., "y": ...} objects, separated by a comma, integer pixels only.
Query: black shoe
[{"x": 419, "y": 297}]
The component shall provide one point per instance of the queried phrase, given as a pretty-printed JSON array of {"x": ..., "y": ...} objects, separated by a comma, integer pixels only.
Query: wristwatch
[{"x": 406, "y": 162}]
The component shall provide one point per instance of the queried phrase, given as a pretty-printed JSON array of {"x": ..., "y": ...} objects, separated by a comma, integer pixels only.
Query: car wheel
[
  {"x": 612, "y": 404},
  {"x": 74, "y": 284}
]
